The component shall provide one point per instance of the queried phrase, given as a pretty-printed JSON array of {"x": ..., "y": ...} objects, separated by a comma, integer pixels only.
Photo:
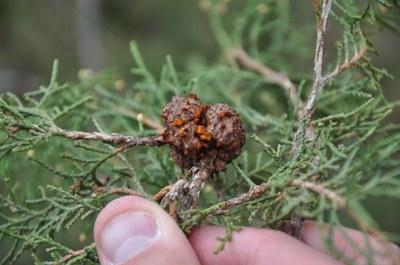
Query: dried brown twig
[
  {"x": 161, "y": 194},
  {"x": 140, "y": 117},
  {"x": 76, "y": 253},
  {"x": 268, "y": 74},
  {"x": 116, "y": 190},
  {"x": 358, "y": 55}
]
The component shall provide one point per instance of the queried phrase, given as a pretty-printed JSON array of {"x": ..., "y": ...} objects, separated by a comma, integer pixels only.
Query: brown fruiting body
[{"x": 202, "y": 135}]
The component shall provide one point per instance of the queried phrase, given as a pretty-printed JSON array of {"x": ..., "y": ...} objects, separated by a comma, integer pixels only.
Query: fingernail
[{"x": 126, "y": 235}]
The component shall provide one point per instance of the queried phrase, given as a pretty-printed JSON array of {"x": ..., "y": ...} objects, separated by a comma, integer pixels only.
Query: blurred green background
[{"x": 95, "y": 34}]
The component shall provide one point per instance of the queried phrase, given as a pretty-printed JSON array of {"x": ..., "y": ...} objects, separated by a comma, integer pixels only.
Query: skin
[{"x": 250, "y": 246}]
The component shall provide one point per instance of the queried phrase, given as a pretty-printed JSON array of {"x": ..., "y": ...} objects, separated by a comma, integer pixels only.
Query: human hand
[{"x": 131, "y": 230}]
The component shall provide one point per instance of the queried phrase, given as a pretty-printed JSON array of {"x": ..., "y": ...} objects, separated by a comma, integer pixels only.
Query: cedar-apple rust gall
[{"x": 200, "y": 135}]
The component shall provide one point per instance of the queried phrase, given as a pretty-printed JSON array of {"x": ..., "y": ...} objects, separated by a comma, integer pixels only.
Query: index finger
[
  {"x": 350, "y": 245},
  {"x": 252, "y": 246}
]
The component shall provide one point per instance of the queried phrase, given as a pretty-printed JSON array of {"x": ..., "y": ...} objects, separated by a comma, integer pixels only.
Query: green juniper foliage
[{"x": 320, "y": 167}]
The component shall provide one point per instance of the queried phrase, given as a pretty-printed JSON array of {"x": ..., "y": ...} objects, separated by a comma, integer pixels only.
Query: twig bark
[
  {"x": 253, "y": 193},
  {"x": 185, "y": 192},
  {"x": 175, "y": 191},
  {"x": 200, "y": 176},
  {"x": 76, "y": 253},
  {"x": 127, "y": 141}
]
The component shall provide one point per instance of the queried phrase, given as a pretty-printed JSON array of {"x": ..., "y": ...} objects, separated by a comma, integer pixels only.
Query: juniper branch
[
  {"x": 318, "y": 78},
  {"x": 321, "y": 80},
  {"x": 115, "y": 139},
  {"x": 258, "y": 190}
]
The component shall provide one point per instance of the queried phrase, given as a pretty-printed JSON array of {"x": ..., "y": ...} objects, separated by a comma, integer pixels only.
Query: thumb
[{"x": 133, "y": 230}]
